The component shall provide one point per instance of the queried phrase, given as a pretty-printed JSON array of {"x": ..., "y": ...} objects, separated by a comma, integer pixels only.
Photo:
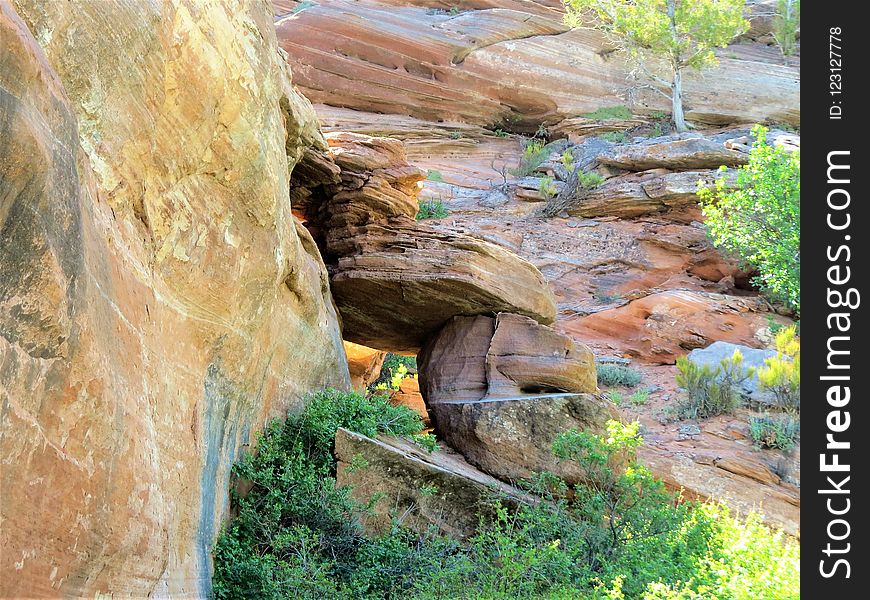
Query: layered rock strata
[{"x": 158, "y": 303}]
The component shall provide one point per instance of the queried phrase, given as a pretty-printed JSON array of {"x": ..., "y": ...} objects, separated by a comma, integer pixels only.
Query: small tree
[
  {"x": 787, "y": 21},
  {"x": 683, "y": 32},
  {"x": 760, "y": 220}
]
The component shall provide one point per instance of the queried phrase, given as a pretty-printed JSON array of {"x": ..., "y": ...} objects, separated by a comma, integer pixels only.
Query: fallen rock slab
[
  {"x": 675, "y": 154},
  {"x": 423, "y": 489}
]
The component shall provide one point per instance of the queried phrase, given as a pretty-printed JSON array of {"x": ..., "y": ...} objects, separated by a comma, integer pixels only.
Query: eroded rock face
[
  {"x": 683, "y": 153},
  {"x": 158, "y": 303},
  {"x": 439, "y": 489},
  {"x": 506, "y": 62},
  {"x": 473, "y": 358},
  {"x": 397, "y": 281},
  {"x": 364, "y": 364}
]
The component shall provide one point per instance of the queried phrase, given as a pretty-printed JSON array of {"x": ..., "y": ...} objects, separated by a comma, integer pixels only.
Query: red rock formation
[
  {"x": 508, "y": 63},
  {"x": 157, "y": 302}
]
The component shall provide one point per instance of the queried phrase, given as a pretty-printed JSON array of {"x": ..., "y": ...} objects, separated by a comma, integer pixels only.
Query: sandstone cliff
[{"x": 158, "y": 302}]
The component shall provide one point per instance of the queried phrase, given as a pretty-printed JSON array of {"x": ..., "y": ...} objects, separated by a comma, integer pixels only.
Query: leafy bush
[
  {"x": 612, "y": 375},
  {"x": 434, "y": 175},
  {"x": 298, "y": 535},
  {"x": 639, "y": 398},
  {"x": 780, "y": 432},
  {"x": 394, "y": 369},
  {"x": 710, "y": 390},
  {"x": 590, "y": 180},
  {"x": 431, "y": 209},
  {"x": 609, "y": 113},
  {"x": 781, "y": 375},
  {"x": 759, "y": 221}
]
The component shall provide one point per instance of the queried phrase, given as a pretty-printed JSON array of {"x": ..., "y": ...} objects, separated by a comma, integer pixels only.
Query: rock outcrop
[
  {"x": 158, "y": 303},
  {"x": 397, "y": 281},
  {"x": 364, "y": 364},
  {"x": 506, "y": 63},
  {"x": 473, "y": 358},
  {"x": 423, "y": 489}
]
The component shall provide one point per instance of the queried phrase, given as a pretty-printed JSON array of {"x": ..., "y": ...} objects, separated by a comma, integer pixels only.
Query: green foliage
[
  {"x": 612, "y": 375},
  {"x": 590, "y": 180},
  {"x": 395, "y": 368},
  {"x": 534, "y": 154},
  {"x": 609, "y": 113},
  {"x": 499, "y": 132},
  {"x": 298, "y": 535},
  {"x": 780, "y": 431},
  {"x": 547, "y": 188},
  {"x": 781, "y": 375},
  {"x": 605, "y": 297},
  {"x": 431, "y": 209},
  {"x": 567, "y": 160},
  {"x": 615, "y": 397},
  {"x": 759, "y": 221},
  {"x": 786, "y": 25},
  {"x": 617, "y": 137},
  {"x": 710, "y": 390},
  {"x": 427, "y": 441},
  {"x": 434, "y": 175},
  {"x": 682, "y": 32},
  {"x": 639, "y": 398}
]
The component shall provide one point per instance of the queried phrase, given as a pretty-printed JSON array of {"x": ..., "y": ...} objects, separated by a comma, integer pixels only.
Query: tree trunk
[{"x": 677, "y": 102}]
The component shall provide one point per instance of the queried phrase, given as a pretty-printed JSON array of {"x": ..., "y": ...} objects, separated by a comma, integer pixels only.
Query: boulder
[
  {"x": 753, "y": 358},
  {"x": 473, "y": 358},
  {"x": 684, "y": 152},
  {"x": 438, "y": 489},
  {"x": 158, "y": 301},
  {"x": 512, "y": 438}
]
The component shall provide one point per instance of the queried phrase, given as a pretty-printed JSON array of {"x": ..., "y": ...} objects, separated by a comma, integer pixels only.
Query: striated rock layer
[{"x": 157, "y": 300}]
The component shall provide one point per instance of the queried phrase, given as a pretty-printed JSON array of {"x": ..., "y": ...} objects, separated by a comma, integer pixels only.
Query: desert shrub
[
  {"x": 431, "y": 209},
  {"x": 609, "y": 113},
  {"x": 298, "y": 535},
  {"x": 590, "y": 180},
  {"x": 711, "y": 390},
  {"x": 759, "y": 220},
  {"x": 547, "y": 188},
  {"x": 781, "y": 375},
  {"x": 785, "y": 26},
  {"x": 535, "y": 152},
  {"x": 613, "y": 375},
  {"x": 780, "y": 431},
  {"x": 434, "y": 175},
  {"x": 639, "y": 398}
]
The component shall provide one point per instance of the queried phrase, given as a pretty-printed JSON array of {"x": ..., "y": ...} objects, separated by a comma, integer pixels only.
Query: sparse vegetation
[
  {"x": 610, "y": 113},
  {"x": 619, "y": 535},
  {"x": 617, "y": 137},
  {"x": 682, "y": 32},
  {"x": 615, "y": 397},
  {"x": 433, "y": 175},
  {"x": 780, "y": 432},
  {"x": 589, "y": 180},
  {"x": 639, "y": 397},
  {"x": 759, "y": 220},
  {"x": 535, "y": 153},
  {"x": 431, "y": 209},
  {"x": 711, "y": 390},
  {"x": 781, "y": 375},
  {"x": 426, "y": 441},
  {"x": 547, "y": 188},
  {"x": 605, "y": 297},
  {"x": 613, "y": 375},
  {"x": 395, "y": 368}
]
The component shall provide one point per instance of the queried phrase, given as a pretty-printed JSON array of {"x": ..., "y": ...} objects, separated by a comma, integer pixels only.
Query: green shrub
[
  {"x": 639, "y": 398},
  {"x": 298, "y": 535},
  {"x": 780, "y": 432},
  {"x": 615, "y": 397},
  {"x": 613, "y": 375},
  {"x": 785, "y": 26},
  {"x": 395, "y": 368},
  {"x": 433, "y": 175},
  {"x": 590, "y": 180},
  {"x": 759, "y": 221},
  {"x": 710, "y": 390},
  {"x": 781, "y": 375},
  {"x": 431, "y": 209},
  {"x": 609, "y": 113},
  {"x": 546, "y": 187},
  {"x": 534, "y": 154}
]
